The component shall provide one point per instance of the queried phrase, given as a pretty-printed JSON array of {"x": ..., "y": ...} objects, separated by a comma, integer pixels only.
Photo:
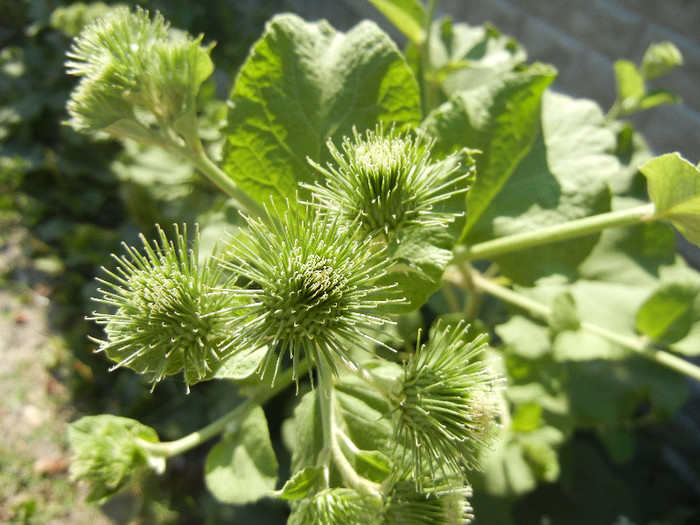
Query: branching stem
[
  {"x": 168, "y": 449},
  {"x": 641, "y": 345}
]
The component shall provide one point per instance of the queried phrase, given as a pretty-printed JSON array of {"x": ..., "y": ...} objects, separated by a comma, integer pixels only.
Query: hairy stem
[
  {"x": 641, "y": 345},
  {"x": 332, "y": 452},
  {"x": 428, "y": 98},
  {"x": 169, "y": 449},
  {"x": 555, "y": 233},
  {"x": 207, "y": 167}
]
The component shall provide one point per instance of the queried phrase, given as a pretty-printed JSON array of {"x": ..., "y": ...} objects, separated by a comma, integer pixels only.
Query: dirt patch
[{"x": 35, "y": 485}]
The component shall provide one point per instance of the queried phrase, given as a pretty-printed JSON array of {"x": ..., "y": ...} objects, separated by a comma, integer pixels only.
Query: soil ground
[{"x": 35, "y": 408}]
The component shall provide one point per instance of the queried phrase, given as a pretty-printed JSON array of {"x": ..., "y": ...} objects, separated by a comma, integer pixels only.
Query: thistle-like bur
[
  {"x": 405, "y": 505},
  {"x": 137, "y": 75},
  {"x": 337, "y": 506},
  {"x": 388, "y": 182},
  {"x": 167, "y": 317},
  {"x": 446, "y": 405},
  {"x": 310, "y": 289}
]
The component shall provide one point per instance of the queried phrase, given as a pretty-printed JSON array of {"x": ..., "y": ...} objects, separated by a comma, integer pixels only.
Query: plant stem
[
  {"x": 169, "y": 449},
  {"x": 331, "y": 448},
  {"x": 205, "y": 165},
  {"x": 641, "y": 345},
  {"x": 428, "y": 101},
  {"x": 555, "y": 233}
]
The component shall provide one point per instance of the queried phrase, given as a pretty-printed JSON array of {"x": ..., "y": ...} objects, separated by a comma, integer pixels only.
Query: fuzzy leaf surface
[
  {"x": 243, "y": 468},
  {"x": 305, "y": 83},
  {"x": 674, "y": 188},
  {"x": 501, "y": 120}
]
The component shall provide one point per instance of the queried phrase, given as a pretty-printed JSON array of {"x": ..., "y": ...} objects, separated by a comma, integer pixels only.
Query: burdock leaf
[
  {"x": 305, "y": 83},
  {"x": 243, "y": 468},
  {"x": 674, "y": 188}
]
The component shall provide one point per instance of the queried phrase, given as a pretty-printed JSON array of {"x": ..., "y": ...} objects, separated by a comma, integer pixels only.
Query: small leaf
[
  {"x": 243, "y": 468},
  {"x": 668, "y": 315},
  {"x": 658, "y": 98},
  {"x": 630, "y": 83},
  {"x": 106, "y": 453},
  {"x": 406, "y": 15},
  {"x": 660, "y": 58},
  {"x": 372, "y": 465},
  {"x": 305, "y": 83},
  {"x": 563, "y": 313},
  {"x": 674, "y": 188},
  {"x": 419, "y": 257},
  {"x": 300, "y": 484}
]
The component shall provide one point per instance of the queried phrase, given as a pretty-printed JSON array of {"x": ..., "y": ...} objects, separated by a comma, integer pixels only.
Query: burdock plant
[
  {"x": 375, "y": 196},
  {"x": 300, "y": 291}
]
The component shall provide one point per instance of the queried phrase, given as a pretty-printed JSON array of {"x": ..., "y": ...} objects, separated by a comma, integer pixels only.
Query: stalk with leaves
[{"x": 369, "y": 197}]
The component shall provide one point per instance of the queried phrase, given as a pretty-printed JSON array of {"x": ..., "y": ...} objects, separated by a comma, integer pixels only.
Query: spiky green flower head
[
  {"x": 336, "y": 506},
  {"x": 310, "y": 289},
  {"x": 167, "y": 317},
  {"x": 406, "y": 505},
  {"x": 388, "y": 182},
  {"x": 446, "y": 404},
  {"x": 131, "y": 66}
]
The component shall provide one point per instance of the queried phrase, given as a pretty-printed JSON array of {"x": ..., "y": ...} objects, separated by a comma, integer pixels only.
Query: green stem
[
  {"x": 205, "y": 165},
  {"x": 641, "y": 345},
  {"x": 555, "y": 233},
  {"x": 332, "y": 451},
  {"x": 169, "y": 449},
  {"x": 428, "y": 101}
]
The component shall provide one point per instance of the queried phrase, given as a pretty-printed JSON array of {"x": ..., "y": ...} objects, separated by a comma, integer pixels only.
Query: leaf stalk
[{"x": 556, "y": 233}]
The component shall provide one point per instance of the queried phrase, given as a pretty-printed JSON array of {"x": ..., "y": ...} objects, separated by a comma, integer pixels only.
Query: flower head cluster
[
  {"x": 446, "y": 404},
  {"x": 133, "y": 69},
  {"x": 310, "y": 288},
  {"x": 167, "y": 319},
  {"x": 388, "y": 182}
]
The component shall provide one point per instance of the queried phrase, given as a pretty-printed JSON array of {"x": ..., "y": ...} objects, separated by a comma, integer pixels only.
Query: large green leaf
[
  {"x": 674, "y": 188},
  {"x": 243, "y": 468},
  {"x": 564, "y": 176},
  {"x": 501, "y": 119},
  {"x": 303, "y": 84}
]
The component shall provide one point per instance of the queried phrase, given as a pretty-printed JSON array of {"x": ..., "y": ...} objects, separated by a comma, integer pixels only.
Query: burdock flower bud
[
  {"x": 337, "y": 506},
  {"x": 167, "y": 317},
  {"x": 132, "y": 65},
  {"x": 310, "y": 288},
  {"x": 388, "y": 182},
  {"x": 446, "y": 404},
  {"x": 405, "y": 505},
  {"x": 107, "y": 453}
]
